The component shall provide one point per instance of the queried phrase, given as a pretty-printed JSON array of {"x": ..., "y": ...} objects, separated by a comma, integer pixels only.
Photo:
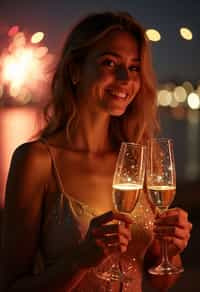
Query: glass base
[
  {"x": 114, "y": 274},
  {"x": 165, "y": 270}
]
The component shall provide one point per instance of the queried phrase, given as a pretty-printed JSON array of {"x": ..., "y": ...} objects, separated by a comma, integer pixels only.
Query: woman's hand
[
  {"x": 104, "y": 237},
  {"x": 173, "y": 226}
]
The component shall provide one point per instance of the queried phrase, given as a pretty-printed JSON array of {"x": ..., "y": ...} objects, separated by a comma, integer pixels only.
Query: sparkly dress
[{"x": 63, "y": 228}]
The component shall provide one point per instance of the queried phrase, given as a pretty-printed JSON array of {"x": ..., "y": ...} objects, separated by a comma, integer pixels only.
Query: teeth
[{"x": 118, "y": 93}]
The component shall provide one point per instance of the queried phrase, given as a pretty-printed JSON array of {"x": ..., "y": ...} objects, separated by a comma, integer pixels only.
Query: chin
[{"x": 117, "y": 113}]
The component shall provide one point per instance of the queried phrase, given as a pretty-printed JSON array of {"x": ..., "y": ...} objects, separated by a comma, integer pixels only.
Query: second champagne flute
[{"x": 161, "y": 184}]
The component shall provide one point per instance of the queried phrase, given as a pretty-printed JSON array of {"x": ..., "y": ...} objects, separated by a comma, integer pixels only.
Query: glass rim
[
  {"x": 133, "y": 143},
  {"x": 161, "y": 139}
]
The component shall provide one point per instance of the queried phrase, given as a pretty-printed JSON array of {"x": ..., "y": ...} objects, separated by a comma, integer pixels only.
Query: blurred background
[{"x": 31, "y": 35}]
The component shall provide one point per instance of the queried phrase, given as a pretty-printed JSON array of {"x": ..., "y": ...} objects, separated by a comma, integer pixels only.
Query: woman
[{"x": 58, "y": 198}]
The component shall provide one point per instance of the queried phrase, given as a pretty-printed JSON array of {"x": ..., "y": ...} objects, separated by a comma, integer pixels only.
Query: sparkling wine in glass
[
  {"x": 127, "y": 185},
  {"x": 161, "y": 184}
]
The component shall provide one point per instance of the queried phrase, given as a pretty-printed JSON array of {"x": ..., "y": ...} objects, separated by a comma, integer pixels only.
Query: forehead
[{"x": 117, "y": 41}]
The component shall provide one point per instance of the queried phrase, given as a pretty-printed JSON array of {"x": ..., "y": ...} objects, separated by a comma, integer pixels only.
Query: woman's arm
[{"x": 28, "y": 175}]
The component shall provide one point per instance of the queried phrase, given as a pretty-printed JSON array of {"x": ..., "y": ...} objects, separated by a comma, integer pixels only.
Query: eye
[
  {"x": 109, "y": 63},
  {"x": 134, "y": 68}
]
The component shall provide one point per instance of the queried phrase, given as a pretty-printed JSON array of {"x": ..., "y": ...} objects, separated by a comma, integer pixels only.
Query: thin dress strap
[
  {"x": 82, "y": 205},
  {"x": 56, "y": 172}
]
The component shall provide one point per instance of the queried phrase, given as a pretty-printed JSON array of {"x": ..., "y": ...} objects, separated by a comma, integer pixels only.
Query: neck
[{"x": 92, "y": 134}]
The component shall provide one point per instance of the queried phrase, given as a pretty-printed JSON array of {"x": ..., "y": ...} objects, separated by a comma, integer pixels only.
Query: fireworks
[{"x": 24, "y": 68}]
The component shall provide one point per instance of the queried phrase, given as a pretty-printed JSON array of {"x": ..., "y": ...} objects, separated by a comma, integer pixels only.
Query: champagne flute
[
  {"x": 161, "y": 185},
  {"x": 127, "y": 185}
]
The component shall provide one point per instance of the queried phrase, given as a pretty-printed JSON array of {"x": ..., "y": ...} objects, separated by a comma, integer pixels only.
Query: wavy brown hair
[{"x": 139, "y": 122}]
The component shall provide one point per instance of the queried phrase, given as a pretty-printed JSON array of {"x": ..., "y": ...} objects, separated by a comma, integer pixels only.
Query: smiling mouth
[{"x": 118, "y": 94}]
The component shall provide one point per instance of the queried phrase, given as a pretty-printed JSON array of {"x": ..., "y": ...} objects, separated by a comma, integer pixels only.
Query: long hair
[{"x": 139, "y": 122}]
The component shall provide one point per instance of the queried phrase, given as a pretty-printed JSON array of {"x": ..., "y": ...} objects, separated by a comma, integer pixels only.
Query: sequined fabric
[{"x": 63, "y": 230}]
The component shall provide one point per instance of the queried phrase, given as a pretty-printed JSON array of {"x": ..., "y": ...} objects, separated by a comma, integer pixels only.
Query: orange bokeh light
[{"x": 17, "y": 66}]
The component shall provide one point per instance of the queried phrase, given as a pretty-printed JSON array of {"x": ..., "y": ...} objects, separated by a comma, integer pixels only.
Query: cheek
[
  {"x": 102, "y": 77},
  {"x": 138, "y": 86},
  {"x": 138, "y": 82},
  {"x": 93, "y": 83},
  {"x": 97, "y": 78}
]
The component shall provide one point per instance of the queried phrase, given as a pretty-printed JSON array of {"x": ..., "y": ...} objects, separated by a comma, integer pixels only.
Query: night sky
[{"x": 174, "y": 58}]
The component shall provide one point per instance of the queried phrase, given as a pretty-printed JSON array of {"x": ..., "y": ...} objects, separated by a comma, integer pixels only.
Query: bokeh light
[
  {"x": 186, "y": 33},
  {"x": 37, "y": 37},
  {"x": 13, "y": 30},
  {"x": 164, "y": 97},
  {"x": 153, "y": 35},
  {"x": 180, "y": 94},
  {"x": 193, "y": 101},
  {"x": 188, "y": 86},
  {"x": 16, "y": 67}
]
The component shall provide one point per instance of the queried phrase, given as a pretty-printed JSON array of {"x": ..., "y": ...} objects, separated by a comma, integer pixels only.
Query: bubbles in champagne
[
  {"x": 126, "y": 196},
  {"x": 161, "y": 196}
]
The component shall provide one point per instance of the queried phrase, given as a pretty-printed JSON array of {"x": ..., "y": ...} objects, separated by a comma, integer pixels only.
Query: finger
[
  {"x": 180, "y": 213},
  {"x": 103, "y": 249},
  {"x": 172, "y": 231},
  {"x": 109, "y": 216},
  {"x": 124, "y": 231},
  {"x": 116, "y": 243},
  {"x": 123, "y": 217},
  {"x": 115, "y": 240},
  {"x": 174, "y": 211},
  {"x": 107, "y": 230},
  {"x": 106, "y": 248},
  {"x": 173, "y": 218},
  {"x": 179, "y": 244},
  {"x": 102, "y": 219}
]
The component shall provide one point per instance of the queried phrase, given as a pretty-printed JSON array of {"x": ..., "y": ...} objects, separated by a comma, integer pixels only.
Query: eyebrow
[{"x": 116, "y": 55}]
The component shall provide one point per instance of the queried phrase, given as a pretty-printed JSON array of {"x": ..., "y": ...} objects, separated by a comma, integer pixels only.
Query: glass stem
[{"x": 164, "y": 251}]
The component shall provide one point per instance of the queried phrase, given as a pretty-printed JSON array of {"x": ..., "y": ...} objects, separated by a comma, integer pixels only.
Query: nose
[{"x": 122, "y": 73}]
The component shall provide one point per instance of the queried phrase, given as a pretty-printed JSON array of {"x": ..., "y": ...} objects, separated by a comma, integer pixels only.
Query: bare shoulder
[
  {"x": 32, "y": 151},
  {"x": 30, "y": 166},
  {"x": 32, "y": 155}
]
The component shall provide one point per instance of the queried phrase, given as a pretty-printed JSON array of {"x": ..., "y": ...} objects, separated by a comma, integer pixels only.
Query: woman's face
[{"x": 110, "y": 76}]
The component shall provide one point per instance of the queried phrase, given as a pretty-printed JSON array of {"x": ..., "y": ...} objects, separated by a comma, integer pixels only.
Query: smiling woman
[
  {"x": 110, "y": 74},
  {"x": 88, "y": 38},
  {"x": 60, "y": 219}
]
